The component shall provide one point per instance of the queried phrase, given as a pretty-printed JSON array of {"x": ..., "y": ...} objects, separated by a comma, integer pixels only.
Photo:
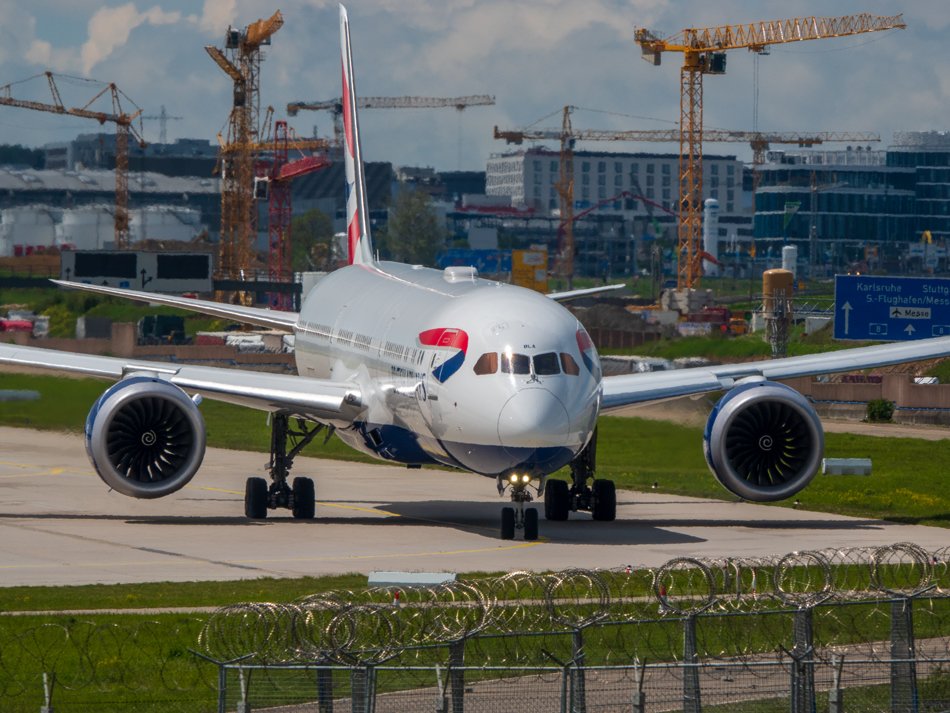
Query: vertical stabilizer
[{"x": 359, "y": 241}]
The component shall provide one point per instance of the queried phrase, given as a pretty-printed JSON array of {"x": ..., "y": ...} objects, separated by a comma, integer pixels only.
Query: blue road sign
[{"x": 869, "y": 307}]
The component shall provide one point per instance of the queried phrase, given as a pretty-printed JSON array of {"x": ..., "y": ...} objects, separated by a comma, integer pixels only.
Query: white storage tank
[
  {"x": 24, "y": 228},
  {"x": 711, "y": 236},
  {"x": 790, "y": 259},
  {"x": 164, "y": 223},
  {"x": 89, "y": 227}
]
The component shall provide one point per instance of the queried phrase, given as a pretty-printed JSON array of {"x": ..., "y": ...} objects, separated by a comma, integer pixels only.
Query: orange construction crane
[
  {"x": 276, "y": 176},
  {"x": 704, "y": 52},
  {"x": 241, "y": 61},
  {"x": 335, "y": 106},
  {"x": 123, "y": 127},
  {"x": 567, "y": 135}
]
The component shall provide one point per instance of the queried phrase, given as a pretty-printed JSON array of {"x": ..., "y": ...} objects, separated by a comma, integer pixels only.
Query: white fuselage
[{"x": 453, "y": 369}]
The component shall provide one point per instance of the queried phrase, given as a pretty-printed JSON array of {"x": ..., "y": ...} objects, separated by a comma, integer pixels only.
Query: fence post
[
  {"x": 325, "y": 690},
  {"x": 363, "y": 688},
  {"x": 836, "y": 693},
  {"x": 222, "y": 688},
  {"x": 692, "y": 702},
  {"x": 803, "y": 671},
  {"x": 243, "y": 705},
  {"x": 49, "y": 680},
  {"x": 578, "y": 684},
  {"x": 903, "y": 654},
  {"x": 639, "y": 697},
  {"x": 457, "y": 674}
]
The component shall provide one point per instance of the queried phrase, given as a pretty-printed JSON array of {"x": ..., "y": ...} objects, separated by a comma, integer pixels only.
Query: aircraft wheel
[
  {"x": 507, "y": 523},
  {"x": 557, "y": 500},
  {"x": 531, "y": 524},
  {"x": 604, "y": 500},
  {"x": 255, "y": 498},
  {"x": 304, "y": 499}
]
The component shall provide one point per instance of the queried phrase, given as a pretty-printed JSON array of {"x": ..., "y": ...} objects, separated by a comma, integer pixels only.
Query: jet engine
[
  {"x": 763, "y": 441},
  {"x": 145, "y": 437}
]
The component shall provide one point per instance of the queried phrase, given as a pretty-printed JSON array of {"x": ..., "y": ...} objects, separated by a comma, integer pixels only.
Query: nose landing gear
[{"x": 518, "y": 517}]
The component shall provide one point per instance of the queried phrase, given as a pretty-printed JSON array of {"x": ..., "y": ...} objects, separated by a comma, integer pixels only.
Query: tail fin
[{"x": 357, "y": 211}]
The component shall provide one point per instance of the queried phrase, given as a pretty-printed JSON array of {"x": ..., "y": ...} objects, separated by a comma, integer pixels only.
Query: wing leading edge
[
  {"x": 271, "y": 319},
  {"x": 629, "y": 389},
  {"x": 319, "y": 399}
]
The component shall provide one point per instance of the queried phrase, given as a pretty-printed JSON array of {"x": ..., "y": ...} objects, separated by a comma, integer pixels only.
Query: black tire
[
  {"x": 304, "y": 499},
  {"x": 530, "y": 524},
  {"x": 603, "y": 501},
  {"x": 255, "y": 498},
  {"x": 557, "y": 500},
  {"x": 507, "y": 523}
]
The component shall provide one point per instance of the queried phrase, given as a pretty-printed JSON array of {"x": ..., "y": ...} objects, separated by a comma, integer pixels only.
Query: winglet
[{"x": 357, "y": 211}]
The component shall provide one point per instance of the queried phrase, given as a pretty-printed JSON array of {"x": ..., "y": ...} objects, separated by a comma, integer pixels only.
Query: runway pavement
[{"x": 59, "y": 524}]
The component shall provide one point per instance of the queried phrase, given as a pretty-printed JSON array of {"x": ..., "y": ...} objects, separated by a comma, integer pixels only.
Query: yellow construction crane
[
  {"x": 335, "y": 106},
  {"x": 704, "y": 52},
  {"x": 567, "y": 135},
  {"x": 241, "y": 60},
  {"x": 123, "y": 128}
]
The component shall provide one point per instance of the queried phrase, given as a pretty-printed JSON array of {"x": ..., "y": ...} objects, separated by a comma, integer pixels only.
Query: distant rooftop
[
  {"x": 12, "y": 179},
  {"x": 926, "y": 140}
]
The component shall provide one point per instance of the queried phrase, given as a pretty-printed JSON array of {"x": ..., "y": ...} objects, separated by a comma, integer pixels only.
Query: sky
[{"x": 533, "y": 56}]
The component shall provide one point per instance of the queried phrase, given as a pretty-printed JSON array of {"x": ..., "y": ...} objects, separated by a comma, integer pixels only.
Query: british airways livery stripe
[{"x": 446, "y": 338}]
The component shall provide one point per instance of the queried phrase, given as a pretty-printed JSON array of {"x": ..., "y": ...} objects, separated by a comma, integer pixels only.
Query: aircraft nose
[{"x": 533, "y": 418}]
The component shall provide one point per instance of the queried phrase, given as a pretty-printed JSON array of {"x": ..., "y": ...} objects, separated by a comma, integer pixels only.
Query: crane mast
[
  {"x": 241, "y": 60},
  {"x": 703, "y": 51}
]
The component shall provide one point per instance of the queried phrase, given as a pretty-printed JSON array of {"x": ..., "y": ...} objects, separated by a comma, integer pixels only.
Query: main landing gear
[
  {"x": 599, "y": 498},
  {"x": 518, "y": 517},
  {"x": 300, "y": 498}
]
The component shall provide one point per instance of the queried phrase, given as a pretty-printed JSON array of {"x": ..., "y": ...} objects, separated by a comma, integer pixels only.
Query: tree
[
  {"x": 415, "y": 233},
  {"x": 311, "y": 238}
]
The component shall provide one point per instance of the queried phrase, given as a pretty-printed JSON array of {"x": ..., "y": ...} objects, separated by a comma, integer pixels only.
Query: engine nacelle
[
  {"x": 763, "y": 441},
  {"x": 145, "y": 437}
]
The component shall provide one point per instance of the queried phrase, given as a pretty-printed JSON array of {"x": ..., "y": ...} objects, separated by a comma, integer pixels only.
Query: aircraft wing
[
  {"x": 628, "y": 389},
  {"x": 571, "y": 294},
  {"x": 272, "y": 319},
  {"x": 320, "y": 399}
]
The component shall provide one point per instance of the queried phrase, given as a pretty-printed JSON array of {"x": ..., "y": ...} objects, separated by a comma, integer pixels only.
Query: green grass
[{"x": 908, "y": 483}]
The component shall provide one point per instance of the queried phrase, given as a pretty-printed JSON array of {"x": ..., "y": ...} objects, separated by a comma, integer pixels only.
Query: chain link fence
[{"x": 859, "y": 629}]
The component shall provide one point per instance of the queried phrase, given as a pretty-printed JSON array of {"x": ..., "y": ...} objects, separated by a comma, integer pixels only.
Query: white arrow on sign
[
  {"x": 910, "y": 329},
  {"x": 846, "y": 308}
]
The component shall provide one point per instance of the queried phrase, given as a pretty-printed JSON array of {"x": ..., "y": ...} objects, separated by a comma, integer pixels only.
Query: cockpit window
[
  {"x": 546, "y": 364},
  {"x": 568, "y": 364},
  {"x": 515, "y": 364},
  {"x": 487, "y": 364}
]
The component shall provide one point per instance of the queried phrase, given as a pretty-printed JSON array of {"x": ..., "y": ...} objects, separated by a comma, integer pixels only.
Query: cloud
[
  {"x": 110, "y": 27},
  {"x": 216, "y": 16}
]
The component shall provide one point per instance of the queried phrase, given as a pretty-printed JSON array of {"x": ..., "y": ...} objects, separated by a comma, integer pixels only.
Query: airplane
[{"x": 418, "y": 366}]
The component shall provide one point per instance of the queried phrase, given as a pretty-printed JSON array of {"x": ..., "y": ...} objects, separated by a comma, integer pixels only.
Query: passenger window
[
  {"x": 487, "y": 364},
  {"x": 515, "y": 364},
  {"x": 568, "y": 364},
  {"x": 546, "y": 364}
]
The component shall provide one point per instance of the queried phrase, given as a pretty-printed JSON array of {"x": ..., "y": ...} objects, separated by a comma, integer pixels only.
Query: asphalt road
[{"x": 59, "y": 524}]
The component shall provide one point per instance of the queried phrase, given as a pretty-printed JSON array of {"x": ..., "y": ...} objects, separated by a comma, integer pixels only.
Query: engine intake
[
  {"x": 763, "y": 441},
  {"x": 145, "y": 437}
]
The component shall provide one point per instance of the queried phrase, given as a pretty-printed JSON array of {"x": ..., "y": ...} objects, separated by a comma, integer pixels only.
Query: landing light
[
  {"x": 513, "y": 478},
  {"x": 525, "y": 478}
]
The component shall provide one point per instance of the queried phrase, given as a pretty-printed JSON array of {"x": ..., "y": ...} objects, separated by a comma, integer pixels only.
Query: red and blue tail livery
[
  {"x": 450, "y": 339},
  {"x": 358, "y": 236}
]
